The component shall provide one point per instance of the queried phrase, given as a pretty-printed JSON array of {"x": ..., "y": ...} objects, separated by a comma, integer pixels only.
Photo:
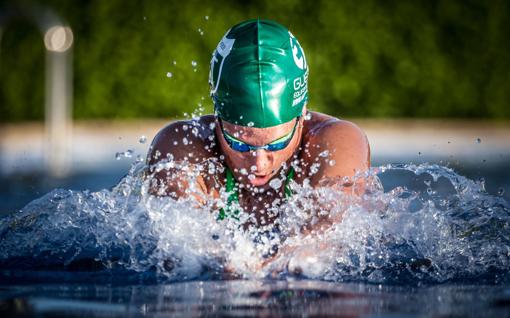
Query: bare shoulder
[
  {"x": 191, "y": 140},
  {"x": 322, "y": 125},
  {"x": 340, "y": 144}
]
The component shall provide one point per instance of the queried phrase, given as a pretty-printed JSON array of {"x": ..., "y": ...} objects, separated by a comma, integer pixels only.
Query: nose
[{"x": 262, "y": 160}]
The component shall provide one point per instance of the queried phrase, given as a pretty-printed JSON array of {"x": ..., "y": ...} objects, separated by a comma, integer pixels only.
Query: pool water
[
  {"x": 256, "y": 298},
  {"x": 424, "y": 240}
]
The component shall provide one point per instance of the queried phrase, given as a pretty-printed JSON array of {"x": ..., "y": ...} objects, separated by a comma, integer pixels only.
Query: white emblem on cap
[
  {"x": 223, "y": 49},
  {"x": 296, "y": 48}
]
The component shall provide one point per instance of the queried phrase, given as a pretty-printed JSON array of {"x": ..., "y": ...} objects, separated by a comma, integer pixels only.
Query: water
[
  {"x": 257, "y": 298},
  {"x": 424, "y": 240}
]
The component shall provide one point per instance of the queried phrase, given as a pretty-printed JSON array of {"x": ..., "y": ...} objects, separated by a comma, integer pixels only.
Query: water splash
[{"x": 396, "y": 232}]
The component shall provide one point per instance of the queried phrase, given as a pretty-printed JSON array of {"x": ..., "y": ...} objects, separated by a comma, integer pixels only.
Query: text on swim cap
[{"x": 300, "y": 88}]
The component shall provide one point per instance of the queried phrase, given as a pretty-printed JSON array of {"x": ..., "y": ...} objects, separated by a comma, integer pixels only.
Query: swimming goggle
[{"x": 276, "y": 145}]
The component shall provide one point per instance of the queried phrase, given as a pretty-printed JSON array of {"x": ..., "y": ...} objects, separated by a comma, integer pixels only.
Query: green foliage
[{"x": 367, "y": 58}]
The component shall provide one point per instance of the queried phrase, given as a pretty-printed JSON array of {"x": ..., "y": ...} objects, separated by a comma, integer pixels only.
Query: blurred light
[{"x": 58, "y": 38}]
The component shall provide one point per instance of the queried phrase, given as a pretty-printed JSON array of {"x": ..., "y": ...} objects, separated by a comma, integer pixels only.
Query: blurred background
[{"x": 85, "y": 85}]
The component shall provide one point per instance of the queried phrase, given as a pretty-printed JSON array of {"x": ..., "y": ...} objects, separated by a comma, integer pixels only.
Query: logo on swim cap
[
  {"x": 297, "y": 52},
  {"x": 258, "y": 75},
  {"x": 222, "y": 51}
]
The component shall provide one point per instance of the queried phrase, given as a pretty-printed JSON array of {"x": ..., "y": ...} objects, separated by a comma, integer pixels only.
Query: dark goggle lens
[{"x": 238, "y": 146}]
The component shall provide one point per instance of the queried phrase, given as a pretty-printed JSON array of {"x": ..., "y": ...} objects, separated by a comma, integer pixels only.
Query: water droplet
[
  {"x": 185, "y": 141},
  {"x": 501, "y": 191},
  {"x": 324, "y": 154},
  {"x": 118, "y": 155},
  {"x": 419, "y": 153},
  {"x": 250, "y": 124},
  {"x": 314, "y": 168},
  {"x": 332, "y": 162},
  {"x": 144, "y": 18},
  {"x": 194, "y": 63},
  {"x": 427, "y": 182},
  {"x": 185, "y": 127},
  {"x": 212, "y": 126},
  {"x": 169, "y": 74},
  {"x": 251, "y": 176},
  {"x": 429, "y": 191},
  {"x": 200, "y": 31},
  {"x": 478, "y": 140},
  {"x": 206, "y": 17},
  {"x": 142, "y": 139},
  {"x": 174, "y": 62},
  {"x": 276, "y": 183},
  {"x": 215, "y": 237},
  {"x": 253, "y": 168},
  {"x": 128, "y": 153},
  {"x": 243, "y": 171}
]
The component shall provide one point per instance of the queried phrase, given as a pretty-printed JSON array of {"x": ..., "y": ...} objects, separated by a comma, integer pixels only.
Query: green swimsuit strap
[{"x": 234, "y": 193}]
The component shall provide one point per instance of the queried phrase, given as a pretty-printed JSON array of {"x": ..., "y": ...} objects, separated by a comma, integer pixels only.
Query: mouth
[{"x": 260, "y": 179}]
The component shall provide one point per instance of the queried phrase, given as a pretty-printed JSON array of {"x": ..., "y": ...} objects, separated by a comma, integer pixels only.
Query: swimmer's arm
[
  {"x": 339, "y": 150},
  {"x": 173, "y": 146}
]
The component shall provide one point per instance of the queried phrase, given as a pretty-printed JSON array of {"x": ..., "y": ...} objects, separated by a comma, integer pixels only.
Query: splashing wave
[{"x": 425, "y": 224}]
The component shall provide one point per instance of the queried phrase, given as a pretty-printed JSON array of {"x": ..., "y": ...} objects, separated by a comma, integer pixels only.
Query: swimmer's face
[{"x": 262, "y": 164}]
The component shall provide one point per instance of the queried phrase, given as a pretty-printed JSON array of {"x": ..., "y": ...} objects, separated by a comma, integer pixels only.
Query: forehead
[{"x": 256, "y": 135}]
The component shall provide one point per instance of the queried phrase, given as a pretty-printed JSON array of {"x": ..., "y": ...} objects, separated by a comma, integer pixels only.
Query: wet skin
[{"x": 202, "y": 140}]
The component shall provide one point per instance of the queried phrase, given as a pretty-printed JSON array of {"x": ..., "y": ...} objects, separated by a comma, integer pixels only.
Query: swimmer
[{"x": 261, "y": 135}]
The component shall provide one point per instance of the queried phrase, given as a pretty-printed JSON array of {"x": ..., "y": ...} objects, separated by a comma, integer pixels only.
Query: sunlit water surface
[{"x": 430, "y": 244}]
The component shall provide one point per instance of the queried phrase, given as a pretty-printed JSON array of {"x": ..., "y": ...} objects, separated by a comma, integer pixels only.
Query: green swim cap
[{"x": 258, "y": 75}]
